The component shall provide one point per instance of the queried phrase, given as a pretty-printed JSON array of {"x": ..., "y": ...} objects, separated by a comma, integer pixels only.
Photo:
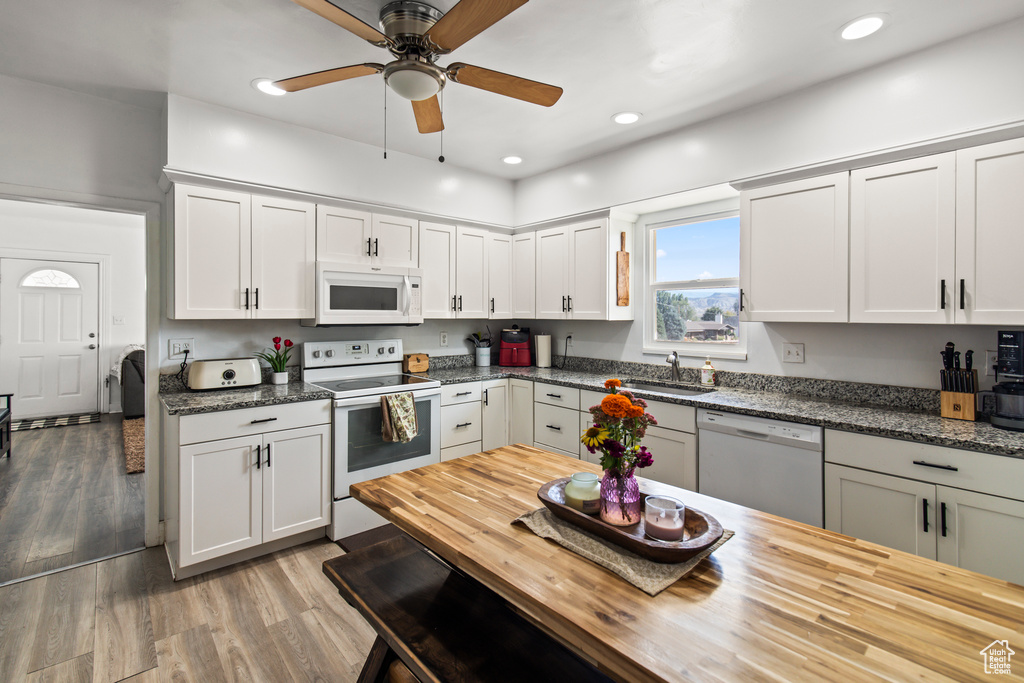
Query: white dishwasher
[{"x": 763, "y": 464}]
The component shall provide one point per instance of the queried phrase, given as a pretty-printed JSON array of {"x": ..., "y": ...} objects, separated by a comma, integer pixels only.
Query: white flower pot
[{"x": 279, "y": 378}]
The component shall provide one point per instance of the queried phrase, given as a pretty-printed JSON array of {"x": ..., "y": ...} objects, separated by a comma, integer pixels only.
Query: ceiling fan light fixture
[
  {"x": 862, "y": 27},
  {"x": 512, "y": 159},
  {"x": 626, "y": 117},
  {"x": 414, "y": 80},
  {"x": 267, "y": 87}
]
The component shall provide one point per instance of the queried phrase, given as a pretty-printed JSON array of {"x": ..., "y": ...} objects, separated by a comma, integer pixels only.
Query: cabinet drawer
[
  {"x": 460, "y": 424},
  {"x": 556, "y": 426},
  {"x": 556, "y": 395},
  {"x": 227, "y": 424},
  {"x": 460, "y": 451},
  {"x": 453, "y": 394},
  {"x": 674, "y": 416},
  {"x": 997, "y": 475}
]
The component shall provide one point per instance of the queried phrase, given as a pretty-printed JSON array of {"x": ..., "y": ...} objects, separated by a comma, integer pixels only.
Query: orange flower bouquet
[{"x": 620, "y": 422}]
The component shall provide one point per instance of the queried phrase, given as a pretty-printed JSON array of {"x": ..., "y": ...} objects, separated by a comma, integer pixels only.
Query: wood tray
[{"x": 700, "y": 530}]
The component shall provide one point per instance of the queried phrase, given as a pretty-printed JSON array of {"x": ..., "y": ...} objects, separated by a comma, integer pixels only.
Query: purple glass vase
[{"x": 620, "y": 498}]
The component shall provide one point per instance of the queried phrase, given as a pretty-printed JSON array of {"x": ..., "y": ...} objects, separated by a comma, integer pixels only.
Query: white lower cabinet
[
  {"x": 520, "y": 427},
  {"x": 474, "y": 417},
  {"x": 226, "y": 495},
  {"x": 941, "y": 503},
  {"x": 494, "y": 414}
]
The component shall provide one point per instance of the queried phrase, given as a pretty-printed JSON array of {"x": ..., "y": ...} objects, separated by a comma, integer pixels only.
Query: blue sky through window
[{"x": 698, "y": 251}]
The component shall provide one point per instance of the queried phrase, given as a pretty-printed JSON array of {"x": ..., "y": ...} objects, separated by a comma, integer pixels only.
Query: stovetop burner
[{"x": 365, "y": 384}]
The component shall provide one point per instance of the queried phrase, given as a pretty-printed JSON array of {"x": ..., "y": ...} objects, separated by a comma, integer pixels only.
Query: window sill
[{"x": 683, "y": 352}]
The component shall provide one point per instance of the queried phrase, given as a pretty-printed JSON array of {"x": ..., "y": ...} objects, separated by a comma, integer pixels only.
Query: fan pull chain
[
  {"x": 385, "y": 121},
  {"x": 441, "y": 107}
]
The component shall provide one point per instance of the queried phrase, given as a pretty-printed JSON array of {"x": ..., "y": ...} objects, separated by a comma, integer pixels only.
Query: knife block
[{"x": 957, "y": 405}]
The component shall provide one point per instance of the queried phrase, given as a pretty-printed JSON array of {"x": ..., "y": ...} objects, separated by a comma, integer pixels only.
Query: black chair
[
  {"x": 133, "y": 385},
  {"x": 5, "y": 426}
]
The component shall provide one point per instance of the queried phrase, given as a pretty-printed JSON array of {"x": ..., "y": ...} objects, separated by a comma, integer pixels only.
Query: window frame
[{"x": 687, "y": 215}]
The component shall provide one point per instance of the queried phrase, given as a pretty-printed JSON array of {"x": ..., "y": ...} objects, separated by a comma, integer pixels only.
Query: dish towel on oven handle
[{"x": 398, "y": 417}]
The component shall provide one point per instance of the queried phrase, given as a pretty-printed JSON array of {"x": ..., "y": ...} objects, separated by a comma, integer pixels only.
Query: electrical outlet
[
  {"x": 991, "y": 358},
  {"x": 568, "y": 340},
  {"x": 792, "y": 353},
  {"x": 444, "y": 340},
  {"x": 176, "y": 348}
]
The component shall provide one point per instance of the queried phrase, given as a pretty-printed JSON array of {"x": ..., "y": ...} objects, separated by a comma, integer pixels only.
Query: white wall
[
  {"x": 59, "y": 230},
  {"x": 963, "y": 85},
  {"x": 212, "y": 140}
]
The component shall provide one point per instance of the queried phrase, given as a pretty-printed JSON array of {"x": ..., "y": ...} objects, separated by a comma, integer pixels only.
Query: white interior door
[{"x": 49, "y": 343}]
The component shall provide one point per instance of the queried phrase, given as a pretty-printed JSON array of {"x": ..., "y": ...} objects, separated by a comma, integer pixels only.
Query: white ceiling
[{"x": 677, "y": 61}]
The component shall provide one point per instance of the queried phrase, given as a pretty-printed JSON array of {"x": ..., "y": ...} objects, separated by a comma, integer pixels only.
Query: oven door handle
[{"x": 375, "y": 399}]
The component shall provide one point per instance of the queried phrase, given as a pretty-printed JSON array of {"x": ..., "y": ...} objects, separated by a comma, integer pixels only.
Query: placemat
[{"x": 650, "y": 577}]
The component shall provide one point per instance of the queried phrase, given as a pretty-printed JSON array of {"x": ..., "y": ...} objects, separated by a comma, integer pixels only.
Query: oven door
[{"x": 361, "y": 454}]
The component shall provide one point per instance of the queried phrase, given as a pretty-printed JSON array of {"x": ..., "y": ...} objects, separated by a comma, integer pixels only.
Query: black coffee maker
[{"x": 1009, "y": 390}]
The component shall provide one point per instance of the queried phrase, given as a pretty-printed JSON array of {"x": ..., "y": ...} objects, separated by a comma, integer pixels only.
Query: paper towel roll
[{"x": 543, "y": 355}]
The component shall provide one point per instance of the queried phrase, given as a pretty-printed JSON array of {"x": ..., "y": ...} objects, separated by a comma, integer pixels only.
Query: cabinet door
[
  {"x": 524, "y": 276},
  {"x": 892, "y": 511},
  {"x": 283, "y": 258},
  {"x": 588, "y": 271},
  {"x": 521, "y": 419},
  {"x": 471, "y": 273},
  {"x": 343, "y": 235},
  {"x": 675, "y": 457},
  {"x": 585, "y": 423},
  {"x": 902, "y": 241},
  {"x": 989, "y": 238},
  {"x": 395, "y": 241},
  {"x": 296, "y": 481},
  {"x": 212, "y": 233},
  {"x": 495, "y": 414},
  {"x": 981, "y": 533},
  {"x": 221, "y": 498},
  {"x": 556, "y": 426},
  {"x": 437, "y": 261},
  {"x": 499, "y": 276},
  {"x": 552, "y": 273},
  {"x": 794, "y": 247}
]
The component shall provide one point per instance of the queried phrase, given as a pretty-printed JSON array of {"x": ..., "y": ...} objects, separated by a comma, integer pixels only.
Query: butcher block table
[{"x": 779, "y": 601}]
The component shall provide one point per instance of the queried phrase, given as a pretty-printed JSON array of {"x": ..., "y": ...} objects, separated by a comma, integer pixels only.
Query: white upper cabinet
[
  {"x": 240, "y": 256},
  {"x": 524, "y": 275},
  {"x": 794, "y": 251},
  {"x": 902, "y": 239},
  {"x": 454, "y": 265},
  {"x": 283, "y": 258},
  {"x": 351, "y": 236},
  {"x": 499, "y": 276},
  {"x": 989, "y": 234},
  {"x": 576, "y": 272}
]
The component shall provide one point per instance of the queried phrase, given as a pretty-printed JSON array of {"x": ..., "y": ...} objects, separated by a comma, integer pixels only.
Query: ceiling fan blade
[
  {"x": 467, "y": 19},
  {"x": 328, "y": 76},
  {"x": 428, "y": 115},
  {"x": 345, "y": 20},
  {"x": 504, "y": 84}
]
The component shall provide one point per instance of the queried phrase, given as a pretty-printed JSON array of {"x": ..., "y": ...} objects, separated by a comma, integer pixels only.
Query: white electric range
[{"x": 358, "y": 373}]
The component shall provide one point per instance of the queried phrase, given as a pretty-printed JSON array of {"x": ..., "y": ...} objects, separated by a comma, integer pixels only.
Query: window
[
  {"x": 50, "y": 278},
  {"x": 693, "y": 270}
]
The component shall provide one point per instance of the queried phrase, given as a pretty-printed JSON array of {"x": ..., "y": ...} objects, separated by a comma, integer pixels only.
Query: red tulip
[
  {"x": 287, "y": 343},
  {"x": 277, "y": 347},
  {"x": 276, "y": 340}
]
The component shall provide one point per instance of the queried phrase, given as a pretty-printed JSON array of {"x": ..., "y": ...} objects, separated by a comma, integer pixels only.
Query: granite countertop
[
  {"x": 185, "y": 402},
  {"x": 923, "y": 427}
]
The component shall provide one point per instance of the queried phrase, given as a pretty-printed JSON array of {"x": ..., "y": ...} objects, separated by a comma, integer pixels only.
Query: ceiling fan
[{"x": 417, "y": 35}]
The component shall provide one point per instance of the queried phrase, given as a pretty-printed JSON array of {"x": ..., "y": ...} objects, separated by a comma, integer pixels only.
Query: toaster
[{"x": 224, "y": 373}]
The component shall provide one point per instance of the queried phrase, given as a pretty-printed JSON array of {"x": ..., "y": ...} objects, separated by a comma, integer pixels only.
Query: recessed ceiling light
[
  {"x": 265, "y": 85},
  {"x": 863, "y": 27},
  {"x": 512, "y": 160},
  {"x": 626, "y": 117}
]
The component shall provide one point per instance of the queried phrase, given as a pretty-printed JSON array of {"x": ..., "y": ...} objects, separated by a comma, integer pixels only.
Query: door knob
[
  {"x": 91, "y": 335},
  {"x": 92, "y": 346}
]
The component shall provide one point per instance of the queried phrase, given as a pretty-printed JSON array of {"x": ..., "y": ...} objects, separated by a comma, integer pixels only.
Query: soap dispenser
[{"x": 707, "y": 373}]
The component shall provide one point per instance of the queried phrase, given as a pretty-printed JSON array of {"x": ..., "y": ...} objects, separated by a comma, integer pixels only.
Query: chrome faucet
[{"x": 673, "y": 358}]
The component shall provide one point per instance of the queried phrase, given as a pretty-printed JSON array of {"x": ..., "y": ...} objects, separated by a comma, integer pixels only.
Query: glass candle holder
[
  {"x": 663, "y": 518},
  {"x": 583, "y": 493}
]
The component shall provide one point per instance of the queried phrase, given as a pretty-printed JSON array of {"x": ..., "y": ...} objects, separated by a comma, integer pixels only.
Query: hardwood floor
[
  {"x": 65, "y": 498},
  {"x": 276, "y": 618}
]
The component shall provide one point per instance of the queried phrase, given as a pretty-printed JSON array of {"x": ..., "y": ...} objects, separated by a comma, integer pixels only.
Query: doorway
[{"x": 72, "y": 307}]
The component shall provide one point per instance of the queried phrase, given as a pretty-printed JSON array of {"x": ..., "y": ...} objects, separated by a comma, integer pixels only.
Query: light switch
[{"x": 792, "y": 353}]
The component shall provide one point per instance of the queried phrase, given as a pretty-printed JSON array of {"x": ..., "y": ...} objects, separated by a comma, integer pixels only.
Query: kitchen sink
[{"x": 678, "y": 391}]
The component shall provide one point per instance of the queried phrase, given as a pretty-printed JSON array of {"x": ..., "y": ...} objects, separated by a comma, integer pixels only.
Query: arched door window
[{"x": 49, "y": 277}]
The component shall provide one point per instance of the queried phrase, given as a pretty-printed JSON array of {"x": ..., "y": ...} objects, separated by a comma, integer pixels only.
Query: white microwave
[{"x": 357, "y": 294}]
